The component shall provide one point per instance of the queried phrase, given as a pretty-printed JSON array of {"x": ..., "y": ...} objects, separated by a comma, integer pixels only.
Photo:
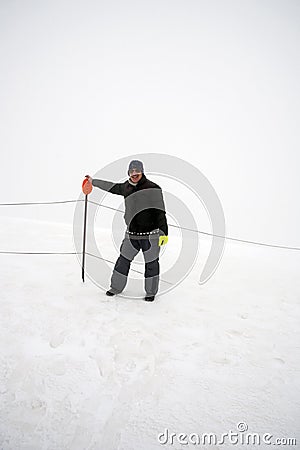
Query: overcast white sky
[{"x": 214, "y": 82}]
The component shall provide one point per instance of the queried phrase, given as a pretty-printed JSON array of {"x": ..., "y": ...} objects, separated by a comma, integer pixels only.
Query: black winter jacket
[{"x": 137, "y": 219}]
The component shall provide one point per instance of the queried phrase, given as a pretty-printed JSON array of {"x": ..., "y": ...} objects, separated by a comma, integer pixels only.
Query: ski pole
[{"x": 86, "y": 189}]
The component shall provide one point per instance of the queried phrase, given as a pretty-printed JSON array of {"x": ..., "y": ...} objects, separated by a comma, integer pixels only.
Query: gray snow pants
[{"x": 128, "y": 250}]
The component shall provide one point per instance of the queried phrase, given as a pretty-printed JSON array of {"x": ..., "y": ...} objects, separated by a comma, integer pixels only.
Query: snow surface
[{"x": 79, "y": 370}]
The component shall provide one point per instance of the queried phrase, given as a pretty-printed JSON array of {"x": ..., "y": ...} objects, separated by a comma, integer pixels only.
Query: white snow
[{"x": 79, "y": 370}]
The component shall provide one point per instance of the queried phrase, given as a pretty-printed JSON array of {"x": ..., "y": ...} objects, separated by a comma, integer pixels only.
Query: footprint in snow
[
  {"x": 279, "y": 361},
  {"x": 57, "y": 339}
]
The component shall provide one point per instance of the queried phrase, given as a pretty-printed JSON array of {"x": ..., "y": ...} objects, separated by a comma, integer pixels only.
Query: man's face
[{"x": 135, "y": 175}]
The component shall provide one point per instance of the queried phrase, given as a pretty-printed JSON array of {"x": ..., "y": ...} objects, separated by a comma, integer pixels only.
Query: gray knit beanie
[{"x": 135, "y": 164}]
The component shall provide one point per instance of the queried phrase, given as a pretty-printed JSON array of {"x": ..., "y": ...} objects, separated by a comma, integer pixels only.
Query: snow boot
[{"x": 112, "y": 292}]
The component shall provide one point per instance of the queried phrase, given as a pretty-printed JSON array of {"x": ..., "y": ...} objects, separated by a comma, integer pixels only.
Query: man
[{"x": 147, "y": 227}]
